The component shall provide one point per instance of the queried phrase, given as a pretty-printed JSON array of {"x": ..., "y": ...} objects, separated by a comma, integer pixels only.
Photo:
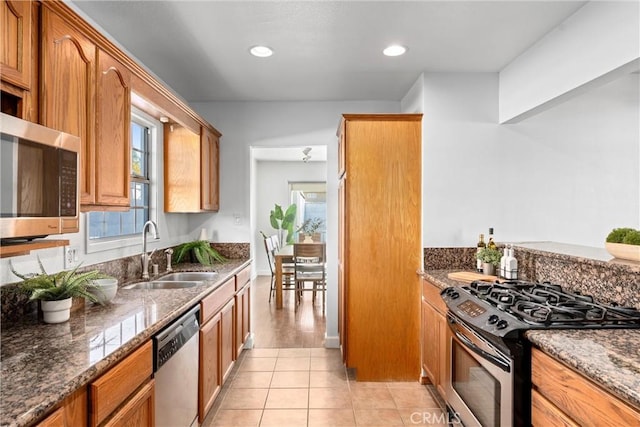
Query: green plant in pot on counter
[
  {"x": 55, "y": 291},
  {"x": 490, "y": 258},
  {"x": 624, "y": 243},
  {"x": 201, "y": 251}
]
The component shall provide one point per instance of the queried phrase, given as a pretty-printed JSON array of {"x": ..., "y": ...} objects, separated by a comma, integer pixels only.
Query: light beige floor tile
[
  {"x": 372, "y": 397},
  {"x": 284, "y": 417},
  {"x": 407, "y": 384},
  {"x": 237, "y": 417},
  {"x": 325, "y": 398},
  {"x": 378, "y": 417},
  {"x": 326, "y": 352},
  {"x": 245, "y": 398},
  {"x": 290, "y": 379},
  {"x": 328, "y": 379},
  {"x": 294, "y": 352},
  {"x": 258, "y": 364},
  {"x": 287, "y": 398},
  {"x": 409, "y": 397},
  {"x": 263, "y": 352},
  {"x": 331, "y": 418},
  {"x": 355, "y": 385},
  {"x": 252, "y": 379},
  {"x": 326, "y": 363},
  {"x": 292, "y": 364}
]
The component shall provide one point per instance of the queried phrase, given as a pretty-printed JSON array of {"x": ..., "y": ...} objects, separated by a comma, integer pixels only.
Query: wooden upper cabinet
[
  {"x": 113, "y": 118},
  {"x": 15, "y": 55},
  {"x": 210, "y": 170},
  {"x": 181, "y": 169},
  {"x": 67, "y": 83}
]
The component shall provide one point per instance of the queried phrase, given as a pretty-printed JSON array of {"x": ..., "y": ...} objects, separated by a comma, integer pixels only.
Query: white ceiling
[{"x": 324, "y": 50}]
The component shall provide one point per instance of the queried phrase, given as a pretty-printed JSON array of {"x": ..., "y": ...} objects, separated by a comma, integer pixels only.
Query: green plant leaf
[{"x": 278, "y": 212}]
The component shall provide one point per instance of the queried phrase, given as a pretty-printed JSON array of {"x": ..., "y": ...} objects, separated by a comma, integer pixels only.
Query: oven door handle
[{"x": 490, "y": 357}]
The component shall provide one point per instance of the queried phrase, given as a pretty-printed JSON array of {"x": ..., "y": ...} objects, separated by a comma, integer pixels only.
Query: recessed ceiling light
[
  {"x": 261, "y": 51},
  {"x": 394, "y": 50}
]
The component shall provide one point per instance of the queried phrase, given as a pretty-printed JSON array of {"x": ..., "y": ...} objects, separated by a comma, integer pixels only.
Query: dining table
[{"x": 285, "y": 256}]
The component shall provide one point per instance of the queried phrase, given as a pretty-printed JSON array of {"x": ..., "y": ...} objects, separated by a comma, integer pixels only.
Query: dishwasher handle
[{"x": 167, "y": 342}]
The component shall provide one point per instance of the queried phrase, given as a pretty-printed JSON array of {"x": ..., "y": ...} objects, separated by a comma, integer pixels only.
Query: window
[
  {"x": 311, "y": 199},
  {"x": 113, "y": 226}
]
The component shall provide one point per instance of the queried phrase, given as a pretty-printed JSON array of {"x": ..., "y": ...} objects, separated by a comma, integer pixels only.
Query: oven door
[{"x": 478, "y": 380}]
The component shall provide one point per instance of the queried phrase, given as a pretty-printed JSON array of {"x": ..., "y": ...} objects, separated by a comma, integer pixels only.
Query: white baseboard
[{"x": 331, "y": 342}]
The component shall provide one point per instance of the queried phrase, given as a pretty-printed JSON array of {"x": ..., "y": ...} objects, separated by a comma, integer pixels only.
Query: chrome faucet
[{"x": 145, "y": 256}]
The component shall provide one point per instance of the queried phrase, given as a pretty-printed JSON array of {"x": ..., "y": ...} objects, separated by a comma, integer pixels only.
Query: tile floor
[{"x": 310, "y": 387}]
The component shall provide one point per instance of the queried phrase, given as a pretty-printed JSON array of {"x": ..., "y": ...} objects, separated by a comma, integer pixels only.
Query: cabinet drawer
[
  {"x": 431, "y": 294},
  {"x": 213, "y": 302},
  {"x": 243, "y": 277},
  {"x": 576, "y": 396},
  {"x": 114, "y": 387}
]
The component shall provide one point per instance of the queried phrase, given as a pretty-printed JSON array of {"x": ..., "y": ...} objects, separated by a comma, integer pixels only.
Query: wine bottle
[
  {"x": 491, "y": 244},
  {"x": 480, "y": 245}
]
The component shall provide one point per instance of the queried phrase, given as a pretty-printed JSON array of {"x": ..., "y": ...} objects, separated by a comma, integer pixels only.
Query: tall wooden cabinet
[
  {"x": 113, "y": 121},
  {"x": 67, "y": 88},
  {"x": 380, "y": 245}
]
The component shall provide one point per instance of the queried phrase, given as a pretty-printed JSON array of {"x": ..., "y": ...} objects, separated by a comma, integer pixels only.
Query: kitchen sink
[
  {"x": 156, "y": 284},
  {"x": 197, "y": 276}
]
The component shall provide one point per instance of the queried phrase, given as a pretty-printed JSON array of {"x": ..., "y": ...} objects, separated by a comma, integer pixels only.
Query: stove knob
[
  {"x": 454, "y": 294},
  {"x": 502, "y": 324},
  {"x": 492, "y": 319}
]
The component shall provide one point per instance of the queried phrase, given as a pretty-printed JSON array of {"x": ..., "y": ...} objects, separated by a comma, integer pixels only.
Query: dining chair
[
  {"x": 310, "y": 266},
  {"x": 288, "y": 282}
]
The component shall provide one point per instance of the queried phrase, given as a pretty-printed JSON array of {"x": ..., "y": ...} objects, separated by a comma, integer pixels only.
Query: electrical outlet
[{"x": 70, "y": 257}]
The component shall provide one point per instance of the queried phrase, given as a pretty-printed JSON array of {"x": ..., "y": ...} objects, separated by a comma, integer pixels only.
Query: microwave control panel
[{"x": 68, "y": 183}]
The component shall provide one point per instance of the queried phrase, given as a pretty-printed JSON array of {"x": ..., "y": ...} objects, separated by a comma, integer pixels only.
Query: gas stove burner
[{"x": 521, "y": 305}]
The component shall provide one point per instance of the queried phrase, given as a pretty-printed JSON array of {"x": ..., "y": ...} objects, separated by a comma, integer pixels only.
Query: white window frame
[{"x": 155, "y": 144}]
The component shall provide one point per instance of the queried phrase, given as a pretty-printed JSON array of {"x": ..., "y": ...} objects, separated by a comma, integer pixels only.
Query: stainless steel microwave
[{"x": 39, "y": 169}]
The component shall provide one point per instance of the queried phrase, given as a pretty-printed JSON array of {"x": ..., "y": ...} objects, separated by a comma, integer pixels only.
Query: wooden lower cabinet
[
  {"x": 125, "y": 392},
  {"x": 562, "y": 396},
  {"x": 242, "y": 325},
  {"x": 72, "y": 413},
  {"x": 434, "y": 336},
  {"x": 210, "y": 380},
  {"x": 227, "y": 347},
  {"x": 139, "y": 410}
]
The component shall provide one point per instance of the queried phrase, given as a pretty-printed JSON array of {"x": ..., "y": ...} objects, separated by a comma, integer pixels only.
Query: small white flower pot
[{"x": 56, "y": 311}]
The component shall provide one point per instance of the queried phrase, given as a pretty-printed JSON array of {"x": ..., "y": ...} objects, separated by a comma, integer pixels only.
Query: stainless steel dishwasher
[{"x": 175, "y": 365}]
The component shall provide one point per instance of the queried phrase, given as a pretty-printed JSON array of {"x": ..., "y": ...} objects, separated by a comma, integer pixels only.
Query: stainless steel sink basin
[
  {"x": 156, "y": 284},
  {"x": 197, "y": 276}
]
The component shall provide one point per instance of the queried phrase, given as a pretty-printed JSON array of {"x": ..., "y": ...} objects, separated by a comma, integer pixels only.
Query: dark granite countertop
[
  {"x": 610, "y": 358},
  {"x": 41, "y": 364}
]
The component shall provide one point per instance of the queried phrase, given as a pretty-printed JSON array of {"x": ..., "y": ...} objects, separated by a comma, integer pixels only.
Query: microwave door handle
[{"x": 490, "y": 357}]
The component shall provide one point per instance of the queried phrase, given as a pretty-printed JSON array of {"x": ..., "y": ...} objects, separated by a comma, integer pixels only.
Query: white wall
[
  {"x": 278, "y": 124},
  {"x": 595, "y": 45},
  {"x": 569, "y": 174},
  {"x": 272, "y": 186}
]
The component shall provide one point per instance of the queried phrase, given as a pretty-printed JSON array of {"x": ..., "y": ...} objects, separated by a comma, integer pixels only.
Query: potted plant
[
  {"x": 55, "y": 291},
  {"x": 199, "y": 250},
  {"x": 309, "y": 228},
  {"x": 283, "y": 221},
  {"x": 624, "y": 243},
  {"x": 490, "y": 258}
]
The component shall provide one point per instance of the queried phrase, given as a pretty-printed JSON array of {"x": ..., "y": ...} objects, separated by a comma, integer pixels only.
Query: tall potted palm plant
[{"x": 283, "y": 221}]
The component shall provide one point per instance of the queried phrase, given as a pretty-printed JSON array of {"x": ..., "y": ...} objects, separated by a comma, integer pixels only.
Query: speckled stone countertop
[
  {"x": 610, "y": 358},
  {"x": 41, "y": 364}
]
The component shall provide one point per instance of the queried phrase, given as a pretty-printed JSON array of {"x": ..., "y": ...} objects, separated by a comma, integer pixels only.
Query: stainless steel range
[{"x": 489, "y": 373}]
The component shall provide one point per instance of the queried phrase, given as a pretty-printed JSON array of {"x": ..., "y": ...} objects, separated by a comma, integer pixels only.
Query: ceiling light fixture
[
  {"x": 261, "y": 51},
  {"x": 306, "y": 157},
  {"x": 394, "y": 50}
]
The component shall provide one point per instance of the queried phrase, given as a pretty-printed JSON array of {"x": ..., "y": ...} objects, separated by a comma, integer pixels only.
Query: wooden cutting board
[{"x": 470, "y": 276}]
